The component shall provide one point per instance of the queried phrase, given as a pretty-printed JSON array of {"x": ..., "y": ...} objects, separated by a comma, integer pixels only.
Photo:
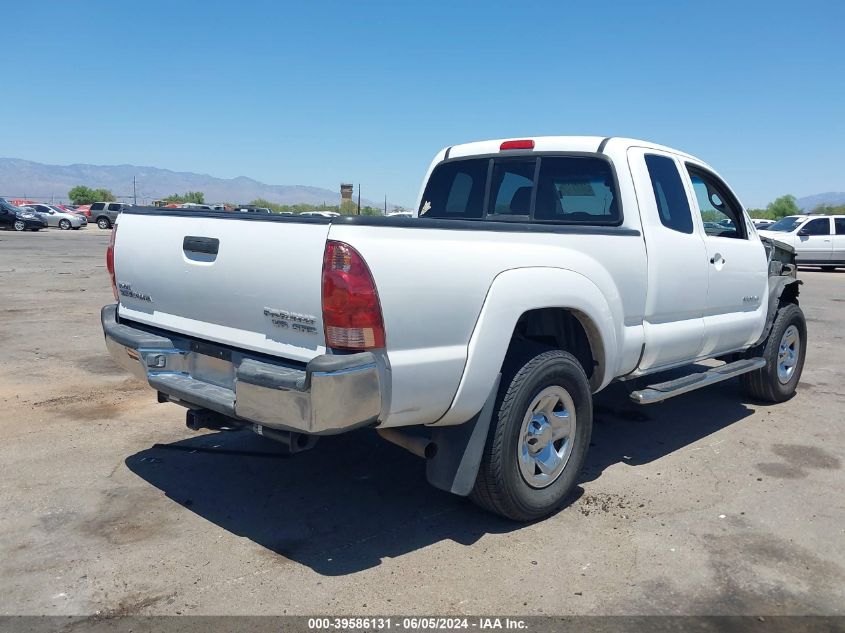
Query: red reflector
[
  {"x": 520, "y": 144},
  {"x": 351, "y": 309},
  {"x": 110, "y": 262}
]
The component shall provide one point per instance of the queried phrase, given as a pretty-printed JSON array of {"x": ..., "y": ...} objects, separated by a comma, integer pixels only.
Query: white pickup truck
[{"x": 537, "y": 272}]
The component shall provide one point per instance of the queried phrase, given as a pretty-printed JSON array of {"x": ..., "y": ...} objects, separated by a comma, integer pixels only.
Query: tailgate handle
[{"x": 194, "y": 244}]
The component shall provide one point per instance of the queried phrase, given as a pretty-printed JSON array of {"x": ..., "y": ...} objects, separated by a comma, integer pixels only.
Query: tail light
[
  {"x": 110, "y": 262},
  {"x": 351, "y": 310}
]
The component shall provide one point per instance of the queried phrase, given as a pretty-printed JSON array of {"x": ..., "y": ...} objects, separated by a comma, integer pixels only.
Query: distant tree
[
  {"x": 829, "y": 209},
  {"x": 783, "y": 206},
  {"x": 195, "y": 197},
  {"x": 85, "y": 195},
  {"x": 261, "y": 202},
  {"x": 366, "y": 210}
]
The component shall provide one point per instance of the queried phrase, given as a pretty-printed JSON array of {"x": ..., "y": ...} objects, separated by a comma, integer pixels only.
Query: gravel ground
[{"x": 706, "y": 504}]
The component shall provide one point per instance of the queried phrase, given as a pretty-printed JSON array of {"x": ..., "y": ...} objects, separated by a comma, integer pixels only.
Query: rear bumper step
[
  {"x": 334, "y": 393},
  {"x": 671, "y": 388}
]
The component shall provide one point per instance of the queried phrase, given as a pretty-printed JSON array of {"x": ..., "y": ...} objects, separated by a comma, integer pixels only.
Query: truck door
[
  {"x": 737, "y": 268},
  {"x": 814, "y": 242},
  {"x": 673, "y": 321},
  {"x": 838, "y": 254}
]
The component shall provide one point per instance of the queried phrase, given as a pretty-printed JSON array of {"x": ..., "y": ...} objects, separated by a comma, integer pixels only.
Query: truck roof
[{"x": 558, "y": 144}]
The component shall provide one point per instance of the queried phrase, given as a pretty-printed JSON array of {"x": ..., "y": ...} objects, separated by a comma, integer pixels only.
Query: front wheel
[
  {"x": 784, "y": 351},
  {"x": 20, "y": 225},
  {"x": 538, "y": 438},
  {"x": 64, "y": 225}
]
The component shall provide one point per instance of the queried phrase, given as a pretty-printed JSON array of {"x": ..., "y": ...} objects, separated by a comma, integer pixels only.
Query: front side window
[
  {"x": 720, "y": 212},
  {"x": 114, "y": 207},
  {"x": 819, "y": 226},
  {"x": 669, "y": 194}
]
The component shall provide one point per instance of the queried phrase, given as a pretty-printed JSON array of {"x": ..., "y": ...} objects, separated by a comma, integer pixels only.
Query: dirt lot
[{"x": 707, "y": 504}]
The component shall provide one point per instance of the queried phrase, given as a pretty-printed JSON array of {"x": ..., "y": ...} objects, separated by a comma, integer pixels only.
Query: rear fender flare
[{"x": 513, "y": 293}]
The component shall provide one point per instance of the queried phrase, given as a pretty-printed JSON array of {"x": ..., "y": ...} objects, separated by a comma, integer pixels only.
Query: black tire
[
  {"x": 764, "y": 383},
  {"x": 64, "y": 225},
  {"x": 500, "y": 486},
  {"x": 104, "y": 223}
]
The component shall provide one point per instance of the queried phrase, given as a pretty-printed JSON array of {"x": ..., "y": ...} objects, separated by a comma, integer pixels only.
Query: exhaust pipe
[
  {"x": 294, "y": 442},
  {"x": 419, "y": 446}
]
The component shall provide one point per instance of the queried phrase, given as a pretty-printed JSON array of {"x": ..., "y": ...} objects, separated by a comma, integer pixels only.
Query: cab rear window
[{"x": 554, "y": 189}]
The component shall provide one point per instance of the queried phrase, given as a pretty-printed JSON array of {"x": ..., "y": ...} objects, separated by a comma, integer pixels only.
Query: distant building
[{"x": 345, "y": 192}]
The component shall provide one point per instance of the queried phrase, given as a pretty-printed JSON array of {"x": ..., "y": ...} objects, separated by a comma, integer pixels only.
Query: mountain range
[
  {"x": 808, "y": 203},
  {"x": 37, "y": 181}
]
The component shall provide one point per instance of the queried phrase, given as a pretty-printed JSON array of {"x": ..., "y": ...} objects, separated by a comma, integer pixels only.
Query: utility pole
[
  {"x": 359, "y": 198},
  {"x": 134, "y": 192}
]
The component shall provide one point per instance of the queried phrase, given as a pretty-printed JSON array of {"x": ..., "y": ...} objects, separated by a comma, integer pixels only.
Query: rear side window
[
  {"x": 839, "y": 223},
  {"x": 560, "y": 189},
  {"x": 669, "y": 193},
  {"x": 98, "y": 206}
]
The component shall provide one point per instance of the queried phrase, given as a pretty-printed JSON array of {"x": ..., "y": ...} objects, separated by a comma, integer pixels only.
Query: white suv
[{"x": 818, "y": 240}]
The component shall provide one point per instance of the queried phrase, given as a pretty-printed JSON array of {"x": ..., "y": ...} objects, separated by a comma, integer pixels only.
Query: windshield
[{"x": 785, "y": 225}]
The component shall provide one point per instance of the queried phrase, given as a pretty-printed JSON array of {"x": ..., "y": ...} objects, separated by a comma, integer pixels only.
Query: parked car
[
  {"x": 54, "y": 216},
  {"x": 539, "y": 271},
  {"x": 12, "y": 217},
  {"x": 761, "y": 223},
  {"x": 196, "y": 207},
  {"x": 319, "y": 214},
  {"x": 400, "y": 214},
  {"x": 818, "y": 240},
  {"x": 105, "y": 213},
  {"x": 252, "y": 209}
]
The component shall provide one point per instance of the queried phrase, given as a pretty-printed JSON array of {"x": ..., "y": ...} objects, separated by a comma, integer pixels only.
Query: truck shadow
[
  {"x": 355, "y": 499},
  {"x": 338, "y": 509},
  {"x": 632, "y": 434}
]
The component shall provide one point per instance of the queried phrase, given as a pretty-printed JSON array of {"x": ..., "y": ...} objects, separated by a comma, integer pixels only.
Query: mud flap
[{"x": 459, "y": 450}]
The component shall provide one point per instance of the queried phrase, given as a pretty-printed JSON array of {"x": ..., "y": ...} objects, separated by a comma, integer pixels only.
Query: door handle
[
  {"x": 718, "y": 258},
  {"x": 209, "y": 245}
]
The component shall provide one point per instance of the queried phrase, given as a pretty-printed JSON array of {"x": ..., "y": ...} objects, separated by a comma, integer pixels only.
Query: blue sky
[{"x": 314, "y": 93}]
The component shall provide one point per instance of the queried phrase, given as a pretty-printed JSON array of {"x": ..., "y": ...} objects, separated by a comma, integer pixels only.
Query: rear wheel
[
  {"x": 784, "y": 351},
  {"x": 538, "y": 438},
  {"x": 104, "y": 223},
  {"x": 64, "y": 225}
]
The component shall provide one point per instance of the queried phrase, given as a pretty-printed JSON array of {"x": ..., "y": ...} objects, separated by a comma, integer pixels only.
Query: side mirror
[{"x": 803, "y": 233}]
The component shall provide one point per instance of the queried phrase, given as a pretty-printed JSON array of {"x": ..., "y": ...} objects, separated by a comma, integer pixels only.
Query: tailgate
[{"x": 252, "y": 283}]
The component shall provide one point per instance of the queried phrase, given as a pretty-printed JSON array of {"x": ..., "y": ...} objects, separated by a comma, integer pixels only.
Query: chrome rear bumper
[{"x": 334, "y": 393}]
